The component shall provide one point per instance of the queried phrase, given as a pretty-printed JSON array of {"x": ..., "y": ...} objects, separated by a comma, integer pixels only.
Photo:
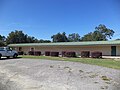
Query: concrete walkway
[{"x": 112, "y": 57}]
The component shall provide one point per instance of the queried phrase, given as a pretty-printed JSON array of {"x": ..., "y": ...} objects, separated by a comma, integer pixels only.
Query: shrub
[
  {"x": 96, "y": 54},
  {"x": 20, "y": 53},
  {"x": 47, "y": 53},
  {"x": 63, "y": 53},
  {"x": 37, "y": 53},
  {"x": 70, "y": 54},
  {"x": 31, "y": 52},
  {"x": 56, "y": 54},
  {"x": 85, "y": 54}
]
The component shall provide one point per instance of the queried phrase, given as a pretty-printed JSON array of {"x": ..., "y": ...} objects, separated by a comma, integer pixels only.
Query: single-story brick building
[{"x": 108, "y": 48}]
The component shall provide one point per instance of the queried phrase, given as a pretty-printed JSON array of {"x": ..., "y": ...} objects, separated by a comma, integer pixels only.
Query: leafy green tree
[
  {"x": 97, "y": 36},
  {"x": 105, "y": 31},
  {"x": 2, "y": 44},
  {"x": 16, "y": 37},
  {"x": 31, "y": 39},
  {"x": 19, "y": 37},
  {"x": 74, "y": 37},
  {"x": 44, "y": 41},
  {"x": 59, "y": 37},
  {"x": 101, "y": 33},
  {"x": 118, "y": 39},
  {"x": 2, "y": 40},
  {"x": 87, "y": 37}
]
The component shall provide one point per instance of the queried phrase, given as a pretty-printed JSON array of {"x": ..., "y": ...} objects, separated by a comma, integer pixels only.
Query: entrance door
[
  {"x": 113, "y": 50},
  {"x": 8, "y": 52}
]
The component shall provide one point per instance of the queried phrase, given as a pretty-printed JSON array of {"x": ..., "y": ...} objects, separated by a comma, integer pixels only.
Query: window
[
  {"x": 8, "y": 49},
  {"x": 2, "y": 49}
]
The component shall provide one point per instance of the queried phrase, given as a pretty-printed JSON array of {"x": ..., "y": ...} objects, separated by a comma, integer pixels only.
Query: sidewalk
[{"x": 112, "y": 57}]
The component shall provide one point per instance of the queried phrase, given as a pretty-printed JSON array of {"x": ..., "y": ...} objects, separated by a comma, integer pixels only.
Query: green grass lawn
[{"x": 110, "y": 63}]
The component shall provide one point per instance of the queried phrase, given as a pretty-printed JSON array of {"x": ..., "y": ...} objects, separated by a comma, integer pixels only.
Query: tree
[
  {"x": 44, "y": 41},
  {"x": 97, "y": 36},
  {"x": 2, "y": 38},
  {"x": 118, "y": 39},
  {"x": 19, "y": 37},
  {"x": 2, "y": 44},
  {"x": 87, "y": 37},
  {"x": 74, "y": 37},
  {"x": 101, "y": 33},
  {"x": 105, "y": 31},
  {"x": 60, "y": 37},
  {"x": 31, "y": 39},
  {"x": 2, "y": 41},
  {"x": 16, "y": 37}
]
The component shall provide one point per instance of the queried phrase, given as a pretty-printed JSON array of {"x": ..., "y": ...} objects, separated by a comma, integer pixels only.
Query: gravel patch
[{"x": 37, "y": 74}]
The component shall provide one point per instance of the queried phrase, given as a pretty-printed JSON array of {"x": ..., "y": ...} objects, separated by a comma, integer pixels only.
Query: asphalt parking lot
[{"x": 36, "y": 74}]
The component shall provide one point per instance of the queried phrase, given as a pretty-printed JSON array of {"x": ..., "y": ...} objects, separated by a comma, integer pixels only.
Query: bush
[
  {"x": 47, "y": 53},
  {"x": 56, "y": 54},
  {"x": 37, "y": 53},
  {"x": 21, "y": 53},
  {"x": 70, "y": 54},
  {"x": 85, "y": 54},
  {"x": 63, "y": 53},
  {"x": 31, "y": 52},
  {"x": 96, "y": 54}
]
